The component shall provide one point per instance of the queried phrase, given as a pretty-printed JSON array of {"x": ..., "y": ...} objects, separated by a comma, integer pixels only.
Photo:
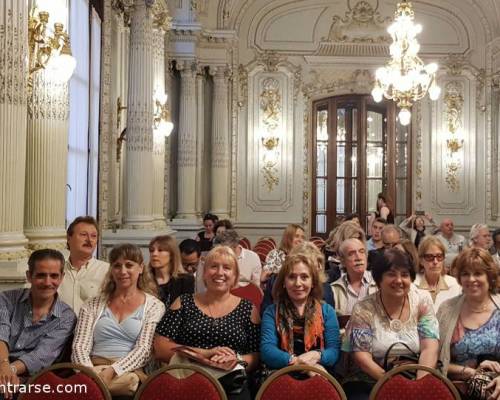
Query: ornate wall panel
[{"x": 455, "y": 159}]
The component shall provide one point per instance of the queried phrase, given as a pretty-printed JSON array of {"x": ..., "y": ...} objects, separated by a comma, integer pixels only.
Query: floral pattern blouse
[
  {"x": 274, "y": 261},
  {"x": 368, "y": 329}
]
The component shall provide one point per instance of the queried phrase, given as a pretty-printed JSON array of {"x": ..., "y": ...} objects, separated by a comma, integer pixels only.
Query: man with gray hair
[
  {"x": 453, "y": 242},
  {"x": 356, "y": 282},
  {"x": 248, "y": 261}
]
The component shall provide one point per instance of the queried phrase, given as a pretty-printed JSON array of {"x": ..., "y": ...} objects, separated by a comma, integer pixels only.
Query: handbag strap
[{"x": 388, "y": 352}]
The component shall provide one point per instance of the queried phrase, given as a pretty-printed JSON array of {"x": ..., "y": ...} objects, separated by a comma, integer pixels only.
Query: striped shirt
[{"x": 37, "y": 344}]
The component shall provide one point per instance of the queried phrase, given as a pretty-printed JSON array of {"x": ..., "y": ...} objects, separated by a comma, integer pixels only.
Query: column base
[
  {"x": 13, "y": 246},
  {"x": 186, "y": 228},
  {"x": 53, "y": 239},
  {"x": 13, "y": 273}
]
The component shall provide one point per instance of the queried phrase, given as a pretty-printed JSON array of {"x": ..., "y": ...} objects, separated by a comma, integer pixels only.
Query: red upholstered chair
[
  {"x": 82, "y": 381},
  {"x": 434, "y": 386},
  {"x": 282, "y": 386},
  {"x": 266, "y": 239},
  {"x": 245, "y": 243},
  {"x": 263, "y": 246},
  {"x": 163, "y": 386},
  {"x": 251, "y": 293}
]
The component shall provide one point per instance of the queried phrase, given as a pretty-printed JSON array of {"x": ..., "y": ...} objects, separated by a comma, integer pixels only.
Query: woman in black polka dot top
[{"x": 221, "y": 326}]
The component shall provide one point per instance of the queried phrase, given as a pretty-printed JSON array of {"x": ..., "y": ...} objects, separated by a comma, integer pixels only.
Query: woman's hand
[
  {"x": 310, "y": 358},
  {"x": 495, "y": 385},
  {"x": 490, "y": 366},
  {"x": 7, "y": 379},
  {"x": 222, "y": 354},
  {"x": 107, "y": 375}
]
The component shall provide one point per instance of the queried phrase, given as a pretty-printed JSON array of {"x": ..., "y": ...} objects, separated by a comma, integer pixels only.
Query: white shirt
[
  {"x": 78, "y": 286},
  {"x": 248, "y": 264},
  {"x": 453, "y": 246}
]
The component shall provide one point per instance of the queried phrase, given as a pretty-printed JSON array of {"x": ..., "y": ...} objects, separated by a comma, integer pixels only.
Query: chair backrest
[
  {"x": 267, "y": 239},
  {"x": 268, "y": 246},
  {"x": 83, "y": 384},
  {"x": 245, "y": 243},
  {"x": 433, "y": 386},
  {"x": 281, "y": 385},
  {"x": 251, "y": 293},
  {"x": 161, "y": 385}
]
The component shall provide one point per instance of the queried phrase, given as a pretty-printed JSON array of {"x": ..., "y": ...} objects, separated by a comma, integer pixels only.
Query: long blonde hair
[
  {"x": 288, "y": 235},
  {"x": 131, "y": 252}
]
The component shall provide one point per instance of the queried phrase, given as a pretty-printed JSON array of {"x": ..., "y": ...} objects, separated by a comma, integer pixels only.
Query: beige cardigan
[
  {"x": 140, "y": 354},
  {"x": 447, "y": 316}
]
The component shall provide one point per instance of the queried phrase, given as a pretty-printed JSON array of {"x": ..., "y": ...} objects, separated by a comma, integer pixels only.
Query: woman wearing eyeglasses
[{"x": 431, "y": 272}]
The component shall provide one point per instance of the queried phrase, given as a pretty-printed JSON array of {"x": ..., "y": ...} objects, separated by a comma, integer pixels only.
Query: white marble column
[
  {"x": 202, "y": 175},
  {"x": 13, "y": 98},
  {"x": 46, "y": 162},
  {"x": 221, "y": 173},
  {"x": 158, "y": 137},
  {"x": 138, "y": 204},
  {"x": 167, "y": 210},
  {"x": 186, "y": 161}
]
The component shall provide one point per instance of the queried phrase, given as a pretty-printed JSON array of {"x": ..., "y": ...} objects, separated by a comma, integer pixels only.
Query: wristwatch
[{"x": 241, "y": 360}]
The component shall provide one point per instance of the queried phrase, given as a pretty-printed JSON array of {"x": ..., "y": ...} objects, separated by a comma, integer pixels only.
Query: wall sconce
[
  {"x": 49, "y": 50},
  {"x": 161, "y": 117}
]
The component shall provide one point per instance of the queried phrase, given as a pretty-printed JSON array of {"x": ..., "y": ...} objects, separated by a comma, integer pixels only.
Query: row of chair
[{"x": 280, "y": 385}]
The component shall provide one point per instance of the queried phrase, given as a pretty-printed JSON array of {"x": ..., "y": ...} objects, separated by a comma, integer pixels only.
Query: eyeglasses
[{"x": 431, "y": 257}]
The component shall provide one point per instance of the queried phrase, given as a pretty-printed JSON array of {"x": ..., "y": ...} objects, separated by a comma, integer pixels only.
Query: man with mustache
[
  {"x": 356, "y": 282},
  {"x": 84, "y": 273},
  {"x": 34, "y": 323}
]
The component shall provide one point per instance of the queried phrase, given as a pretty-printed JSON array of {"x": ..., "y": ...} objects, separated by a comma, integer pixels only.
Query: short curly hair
[{"x": 475, "y": 259}]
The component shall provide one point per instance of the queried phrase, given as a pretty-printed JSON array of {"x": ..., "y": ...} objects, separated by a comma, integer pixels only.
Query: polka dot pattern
[{"x": 189, "y": 326}]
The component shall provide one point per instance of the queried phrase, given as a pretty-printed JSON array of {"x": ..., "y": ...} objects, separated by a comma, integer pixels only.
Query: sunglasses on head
[{"x": 431, "y": 257}]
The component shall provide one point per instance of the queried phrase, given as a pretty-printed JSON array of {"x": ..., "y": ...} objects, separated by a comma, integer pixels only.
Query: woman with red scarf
[{"x": 298, "y": 328}]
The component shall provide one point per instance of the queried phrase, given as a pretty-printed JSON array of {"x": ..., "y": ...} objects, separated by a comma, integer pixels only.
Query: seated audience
[
  {"x": 222, "y": 225},
  {"x": 292, "y": 236},
  {"x": 190, "y": 255},
  {"x": 480, "y": 236},
  {"x": 34, "y": 323},
  {"x": 391, "y": 237},
  {"x": 114, "y": 333},
  {"x": 299, "y": 328},
  {"x": 453, "y": 242},
  {"x": 249, "y": 265},
  {"x": 205, "y": 237},
  {"x": 356, "y": 282},
  {"x": 216, "y": 323},
  {"x": 375, "y": 242},
  {"x": 84, "y": 274},
  {"x": 417, "y": 227},
  {"x": 431, "y": 275},
  {"x": 165, "y": 265},
  {"x": 311, "y": 250},
  {"x": 397, "y": 313},
  {"x": 469, "y": 324}
]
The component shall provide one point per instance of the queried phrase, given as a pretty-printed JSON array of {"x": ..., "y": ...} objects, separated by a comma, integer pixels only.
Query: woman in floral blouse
[{"x": 397, "y": 313}]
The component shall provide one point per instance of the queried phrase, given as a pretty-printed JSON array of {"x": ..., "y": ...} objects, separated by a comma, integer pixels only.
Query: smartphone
[{"x": 419, "y": 212}]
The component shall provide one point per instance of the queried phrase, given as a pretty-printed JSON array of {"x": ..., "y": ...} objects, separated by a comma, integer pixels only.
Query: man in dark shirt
[{"x": 34, "y": 323}]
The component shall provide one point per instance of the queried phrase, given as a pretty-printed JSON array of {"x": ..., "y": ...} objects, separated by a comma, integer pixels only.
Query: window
[
  {"x": 360, "y": 151},
  {"x": 84, "y": 87}
]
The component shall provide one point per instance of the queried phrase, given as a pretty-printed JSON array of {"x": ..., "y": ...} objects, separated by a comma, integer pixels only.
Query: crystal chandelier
[{"x": 405, "y": 79}]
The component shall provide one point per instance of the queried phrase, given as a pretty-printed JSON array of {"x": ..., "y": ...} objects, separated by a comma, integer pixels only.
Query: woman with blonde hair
[
  {"x": 166, "y": 267},
  {"x": 215, "y": 324},
  {"x": 299, "y": 328},
  {"x": 431, "y": 274},
  {"x": 469, "y": 324},
  {"x": 293, "y": 236},
  {"x": 115, "y": 330}
]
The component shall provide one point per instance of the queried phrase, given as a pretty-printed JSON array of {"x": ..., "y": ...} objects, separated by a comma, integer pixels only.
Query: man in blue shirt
[{"x": 34, "y": 323}]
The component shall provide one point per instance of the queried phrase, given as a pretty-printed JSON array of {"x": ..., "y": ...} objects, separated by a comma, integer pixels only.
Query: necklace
[
  {"x": 395, "y": 324},
  {"x": 215, "y": 321},
  {"x": 480, "y": 310}
]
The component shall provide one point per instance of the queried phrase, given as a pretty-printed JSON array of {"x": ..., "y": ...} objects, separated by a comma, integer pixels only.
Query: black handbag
[
  {"x": 476, "y": 384},
  {"x": 410, "y": 358},
  {"x": 234, "y": 382}
]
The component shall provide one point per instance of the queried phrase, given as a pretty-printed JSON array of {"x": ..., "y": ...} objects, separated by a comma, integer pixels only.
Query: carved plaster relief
[{"x": 454, "y": 138}]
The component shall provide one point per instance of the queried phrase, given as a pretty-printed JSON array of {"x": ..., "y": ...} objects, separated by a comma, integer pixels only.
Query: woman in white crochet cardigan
[{"x": 115, "y": 330}]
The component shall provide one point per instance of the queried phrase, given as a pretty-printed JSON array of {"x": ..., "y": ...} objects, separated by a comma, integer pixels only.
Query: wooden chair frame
[
  {"x": 407, "y": 367},
  {"x": 193, "y": 368},
  {"x": 86, "y": 370},
  {"x": 301, "y": 368}
]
